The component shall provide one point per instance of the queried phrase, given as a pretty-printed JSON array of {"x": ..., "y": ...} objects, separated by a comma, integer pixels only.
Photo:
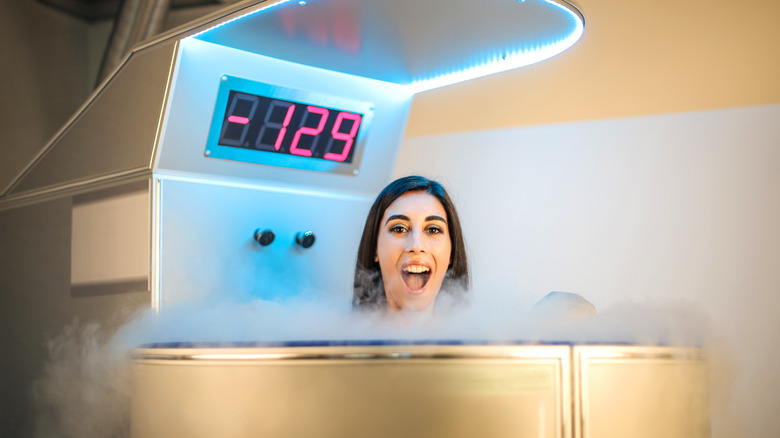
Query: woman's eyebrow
[
  {"x": 397, "y": 216},
  {"x": 435, "y": 218}
]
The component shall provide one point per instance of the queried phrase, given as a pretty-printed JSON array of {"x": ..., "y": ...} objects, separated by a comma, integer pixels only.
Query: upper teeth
[{"x": 416, "y": 269}]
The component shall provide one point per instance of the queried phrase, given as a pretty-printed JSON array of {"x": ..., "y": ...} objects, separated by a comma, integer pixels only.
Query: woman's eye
[
  {"x": 434, "y": 230},
  {"x": 398, "y": 229}
]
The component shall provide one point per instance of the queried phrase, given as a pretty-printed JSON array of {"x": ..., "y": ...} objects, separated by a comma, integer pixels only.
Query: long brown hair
[{"x": 368, "y": 289}]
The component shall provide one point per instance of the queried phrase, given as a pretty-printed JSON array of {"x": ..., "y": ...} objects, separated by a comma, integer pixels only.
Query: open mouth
[{"x": 416, "y": 276}]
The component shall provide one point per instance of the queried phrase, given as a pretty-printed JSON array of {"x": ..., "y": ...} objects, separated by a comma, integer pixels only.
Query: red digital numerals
[
  {"x": 304, "y": 141},
  {"x": 348, "y": 138}
]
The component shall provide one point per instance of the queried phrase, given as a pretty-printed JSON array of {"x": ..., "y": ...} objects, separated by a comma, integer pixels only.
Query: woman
[{"x": 412, "y": 247}]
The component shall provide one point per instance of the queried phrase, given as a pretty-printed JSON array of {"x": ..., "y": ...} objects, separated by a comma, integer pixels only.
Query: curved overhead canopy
[{"x": 424, "y": 44}]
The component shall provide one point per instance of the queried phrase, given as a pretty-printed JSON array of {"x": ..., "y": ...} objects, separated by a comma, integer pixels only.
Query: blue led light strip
[
  {"x": 252, "y": 12},
  {"x": 504, "y": 62}
]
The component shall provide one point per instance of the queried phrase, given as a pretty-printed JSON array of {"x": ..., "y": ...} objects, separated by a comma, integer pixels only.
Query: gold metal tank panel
[{"x": 425, "y": 390}]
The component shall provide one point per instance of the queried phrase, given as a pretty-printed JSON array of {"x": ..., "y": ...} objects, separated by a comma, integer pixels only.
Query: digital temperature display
[
  {"x": 274, "y": 125},
  {"x": 279, "y": 126}
]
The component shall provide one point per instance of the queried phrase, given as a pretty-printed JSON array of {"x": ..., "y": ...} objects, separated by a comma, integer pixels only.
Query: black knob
[
  {"x": 305, "y": 239},
  {"x": 264, "y": 237}
]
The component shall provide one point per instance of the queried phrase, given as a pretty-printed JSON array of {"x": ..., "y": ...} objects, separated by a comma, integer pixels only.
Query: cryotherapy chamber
[
  {"x": 236, "y": 158},
  {"x": 243, "y": 150}
]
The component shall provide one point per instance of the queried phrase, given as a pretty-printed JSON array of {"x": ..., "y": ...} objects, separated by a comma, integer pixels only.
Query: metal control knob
[
  {"x": 305, "y": 239},
  {"x": 264, "y": 237}
]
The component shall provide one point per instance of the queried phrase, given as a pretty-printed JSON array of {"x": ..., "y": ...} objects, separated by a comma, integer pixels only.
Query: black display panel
[
  {"x": 286, "y": 127},
  {"x": 279, "y": 126}
]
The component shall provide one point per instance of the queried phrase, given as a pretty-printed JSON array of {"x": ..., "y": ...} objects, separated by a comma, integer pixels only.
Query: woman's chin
[
  {"x": 417, "y": 300},
  {"x": 417, "y": 308}
]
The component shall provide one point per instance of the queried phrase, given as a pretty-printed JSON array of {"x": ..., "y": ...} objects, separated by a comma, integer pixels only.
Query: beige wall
[
  {"x": 44, "y": 79},
  {"x": 635, "y": 58}
]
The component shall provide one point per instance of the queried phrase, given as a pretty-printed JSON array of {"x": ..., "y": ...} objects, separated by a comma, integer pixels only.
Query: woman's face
[{"x": 413, "y": 251}]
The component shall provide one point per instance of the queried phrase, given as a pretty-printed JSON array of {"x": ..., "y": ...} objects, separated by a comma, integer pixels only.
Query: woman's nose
[{"x": 416, "y": 244}]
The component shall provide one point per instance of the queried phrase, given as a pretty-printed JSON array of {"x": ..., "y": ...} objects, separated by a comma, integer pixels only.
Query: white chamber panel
[{"x": 209, "y": 251}]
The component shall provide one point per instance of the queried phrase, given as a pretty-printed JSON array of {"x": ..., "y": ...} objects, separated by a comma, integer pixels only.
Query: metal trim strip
[
  {"x": 353, "y": 352},
  {"x": 109, "y": 288},
  {"x": 74, "y": 188}
]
